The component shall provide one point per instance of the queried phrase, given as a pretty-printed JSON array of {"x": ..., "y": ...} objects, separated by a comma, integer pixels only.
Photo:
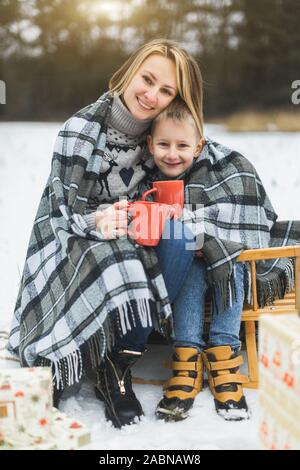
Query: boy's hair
[{"x": 179, "y": 112}]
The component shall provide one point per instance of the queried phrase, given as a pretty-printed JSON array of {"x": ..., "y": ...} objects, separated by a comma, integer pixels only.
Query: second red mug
[
  {"x": 169, "y": 192},
  {"x": 148, "y": 220}
]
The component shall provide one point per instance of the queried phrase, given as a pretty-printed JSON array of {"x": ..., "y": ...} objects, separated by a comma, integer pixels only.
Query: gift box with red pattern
[
  {"x": 27, "y": 417},
  {"x": 279, "y": 392},
  {"x": 70, "y": 433},
  {"x": 25, "y": 404}
]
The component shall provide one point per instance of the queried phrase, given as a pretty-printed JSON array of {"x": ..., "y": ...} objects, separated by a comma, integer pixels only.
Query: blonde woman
[{"x": 89, "y": 296}]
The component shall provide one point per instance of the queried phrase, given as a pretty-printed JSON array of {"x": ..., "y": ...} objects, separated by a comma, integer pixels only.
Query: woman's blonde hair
[{"x": 188, "y": 74}]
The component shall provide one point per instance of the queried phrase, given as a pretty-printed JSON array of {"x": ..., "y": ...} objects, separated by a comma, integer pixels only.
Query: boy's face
[{"x": 174, "y": 145}]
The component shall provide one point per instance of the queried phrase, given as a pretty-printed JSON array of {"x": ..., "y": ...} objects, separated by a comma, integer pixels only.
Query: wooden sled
[{"x": 251, "y": 312}]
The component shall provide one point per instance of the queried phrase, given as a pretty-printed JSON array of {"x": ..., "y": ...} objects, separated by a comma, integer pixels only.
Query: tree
[{"x": 58, "y": 55}]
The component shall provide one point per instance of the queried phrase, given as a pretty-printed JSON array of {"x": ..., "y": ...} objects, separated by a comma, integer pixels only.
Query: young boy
[
  {"x": 174, "y": 140},
  {"x": 176, "y": 144}
]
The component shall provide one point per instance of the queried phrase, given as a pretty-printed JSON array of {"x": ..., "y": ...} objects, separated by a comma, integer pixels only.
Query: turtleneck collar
[{"x": 123, "y": 121}]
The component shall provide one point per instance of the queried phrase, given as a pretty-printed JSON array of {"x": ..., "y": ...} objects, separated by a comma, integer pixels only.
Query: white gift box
[
  {"x": 27, "y": 417},
  {"x": 279, "y": 429},
  {"x": 25, "y": 404},
  {"x": 70, "y": 433},
  {"x": 279, "y": 392},
  {"x": 29, "y": 444},
  {"x": 66, "y": 433}
]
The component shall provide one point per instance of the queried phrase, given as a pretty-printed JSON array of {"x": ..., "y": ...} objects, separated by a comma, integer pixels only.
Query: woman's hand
[{"x": 113, "y": 221}]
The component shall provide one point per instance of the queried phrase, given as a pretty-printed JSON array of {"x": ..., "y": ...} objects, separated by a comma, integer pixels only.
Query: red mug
[
  {"x": 148, "y": 220},
  {"x": 168, "y": 192}
]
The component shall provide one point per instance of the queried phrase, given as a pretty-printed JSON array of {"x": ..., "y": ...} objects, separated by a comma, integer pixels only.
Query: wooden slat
[
  {"x": 253, "y": 284},
  {"x": 140, "y": 380},
  {"x": 250, "y": 385},
  {"x": 297, "y": 286},
  {"x": 250, "y": 337},
  {"x": 284, "y": 301},
  {"x": 250, "y": 314},
  {"x": 290, "y": 295},
  {"x": 270, "y": 253},
  {"x": 289, "y": 299}
]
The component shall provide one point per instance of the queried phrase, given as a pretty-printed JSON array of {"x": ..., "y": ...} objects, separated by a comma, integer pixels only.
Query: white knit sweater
[{"x": 125, "y": 160}]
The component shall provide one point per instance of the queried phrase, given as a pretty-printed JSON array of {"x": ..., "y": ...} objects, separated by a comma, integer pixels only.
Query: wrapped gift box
[
  {"x": 25, "y": 403},
  {"x": 30, "y": 443},
  {"x": 66, "y": 433},
  {"x": 70, "y": 433},
  {"x": 279, "y": 428},
  {"x": 279, "y": 393},
  {"x": 27, "y": 417}
]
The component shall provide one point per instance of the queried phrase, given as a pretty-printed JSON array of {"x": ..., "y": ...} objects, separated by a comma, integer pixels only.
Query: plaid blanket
[
  {"x": 77, "y": 290},
  {"x": 228, "y": 210}
]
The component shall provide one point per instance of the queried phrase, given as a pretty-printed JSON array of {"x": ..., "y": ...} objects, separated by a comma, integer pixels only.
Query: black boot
[
  {"x": 114, "y": 387},
  {"x": 57, "y": 394}
]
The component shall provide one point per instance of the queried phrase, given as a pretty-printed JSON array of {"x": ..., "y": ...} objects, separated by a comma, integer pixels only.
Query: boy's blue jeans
[{"x": 186, "y": 281}]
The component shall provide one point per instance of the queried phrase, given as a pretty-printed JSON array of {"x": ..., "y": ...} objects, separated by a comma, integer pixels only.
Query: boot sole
[
  {"x": 171, "y": 415},
  {"x": 232, "y": 417},
  {"x": 234, "y": 414}
]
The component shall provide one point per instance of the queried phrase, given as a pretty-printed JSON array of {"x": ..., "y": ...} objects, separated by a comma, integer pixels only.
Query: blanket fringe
[
  {"x": 225, "y": 290},
  {"x": 279, "y": 282},
  {"x": 72, "y": 367},
  {"x": 275, "y": 285}
]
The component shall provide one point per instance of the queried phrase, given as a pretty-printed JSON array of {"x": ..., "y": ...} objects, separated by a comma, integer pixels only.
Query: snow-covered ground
[{"x": 25, "y": 157}]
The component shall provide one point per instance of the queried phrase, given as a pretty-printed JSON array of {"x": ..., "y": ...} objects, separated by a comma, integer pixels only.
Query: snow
[{"x": 25, "y": 159}]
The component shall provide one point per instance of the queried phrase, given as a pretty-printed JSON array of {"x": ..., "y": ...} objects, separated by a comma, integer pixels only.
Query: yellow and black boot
[
  {"x": 181, "y": 389},
  {"x": 225, "y": 382}
]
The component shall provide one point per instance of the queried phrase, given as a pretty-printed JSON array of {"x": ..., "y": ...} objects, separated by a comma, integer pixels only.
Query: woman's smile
[{"x": 143, "y": 105}]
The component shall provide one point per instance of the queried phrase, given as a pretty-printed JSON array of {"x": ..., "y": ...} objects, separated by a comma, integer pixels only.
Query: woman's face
[{"x": 152, "y": 88}]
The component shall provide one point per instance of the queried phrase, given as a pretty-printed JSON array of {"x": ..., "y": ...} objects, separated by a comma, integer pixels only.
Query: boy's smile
[{"x": 174, "y": 145}]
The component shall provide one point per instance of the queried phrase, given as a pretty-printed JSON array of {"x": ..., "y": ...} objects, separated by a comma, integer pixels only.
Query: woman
[{"x": 89, "y": 296}]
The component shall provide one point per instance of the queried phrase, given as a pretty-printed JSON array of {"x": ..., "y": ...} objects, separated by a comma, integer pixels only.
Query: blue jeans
[
  {"x": 188, "y": 311},
  {"x": 175, "y": 253},
  {"x": 186, "y": 283}
]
